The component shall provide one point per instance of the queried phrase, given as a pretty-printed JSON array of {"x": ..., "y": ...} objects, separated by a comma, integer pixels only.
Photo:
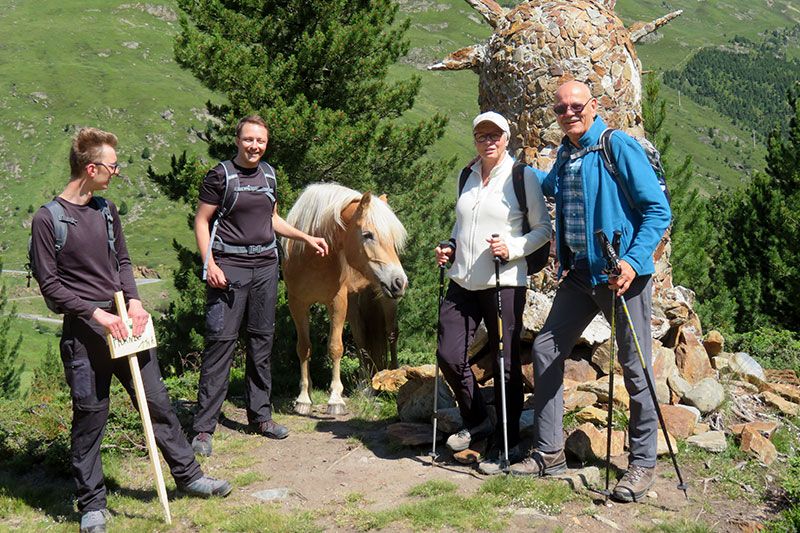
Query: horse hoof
[
  {"x": 302, "y": 408},
  {"x": 336, "y": 409}
]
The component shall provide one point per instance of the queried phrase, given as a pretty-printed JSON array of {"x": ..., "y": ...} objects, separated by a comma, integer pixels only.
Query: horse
[{"x": 364, "y": 238}]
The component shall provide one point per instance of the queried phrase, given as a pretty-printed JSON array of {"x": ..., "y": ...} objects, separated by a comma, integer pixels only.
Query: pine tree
[
  {"x": 317, "y": 72},
  {"x": 10, "y": 369}
]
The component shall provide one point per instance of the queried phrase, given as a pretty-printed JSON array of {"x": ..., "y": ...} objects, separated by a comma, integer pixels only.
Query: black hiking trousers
[{"x": 88, "y": 368}]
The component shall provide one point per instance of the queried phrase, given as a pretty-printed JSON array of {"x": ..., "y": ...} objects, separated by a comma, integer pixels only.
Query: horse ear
[
  {"x": 365, "y": 199},
  {"x": 383, "y": 198}
]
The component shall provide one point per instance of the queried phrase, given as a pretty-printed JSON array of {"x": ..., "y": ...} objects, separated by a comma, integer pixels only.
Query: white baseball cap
[{"x": 495, "y": 118}]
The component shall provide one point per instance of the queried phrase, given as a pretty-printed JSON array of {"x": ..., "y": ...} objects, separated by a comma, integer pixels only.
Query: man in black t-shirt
[
  {"x": 238, "y": 247},
  {"x": 81, "y": 279}
]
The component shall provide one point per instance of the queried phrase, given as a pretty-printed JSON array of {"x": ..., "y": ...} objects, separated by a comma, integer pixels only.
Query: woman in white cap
[{"x": 489, "y": 223}]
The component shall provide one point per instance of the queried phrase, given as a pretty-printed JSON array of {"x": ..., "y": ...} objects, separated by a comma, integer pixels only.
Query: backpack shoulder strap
[
  {"x": 462, "y": 179},
  {"x": 607, "y": 155},
  {"x": 60, "y": 221},
  {"x": 518, "y": 180},
  {"x": 102, "y": 204},
  {"x": 231, "y": 191},
  {"x": 269, "y": 177}
]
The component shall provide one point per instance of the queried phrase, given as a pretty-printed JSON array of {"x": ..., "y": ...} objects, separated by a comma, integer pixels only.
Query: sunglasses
[{"x": 561, "y": 109}]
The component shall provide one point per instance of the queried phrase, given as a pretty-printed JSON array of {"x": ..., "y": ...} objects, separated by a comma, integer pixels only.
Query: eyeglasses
[
  {"x": 561, "y": 109},
  {"x": 112, "y": 167},
  {"x": 494, "y": 137}
]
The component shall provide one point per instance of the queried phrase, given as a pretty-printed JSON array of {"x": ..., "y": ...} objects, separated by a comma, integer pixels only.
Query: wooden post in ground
[{"x": 129, "y": 348}]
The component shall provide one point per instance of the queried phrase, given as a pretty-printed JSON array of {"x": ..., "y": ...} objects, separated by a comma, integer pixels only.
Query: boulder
[
  {"x": 741, "y": 363},
  {"x": 599, "y": 387},
  {"x": 714, "y": 342},
  {"x": 691, "y": 358},
  {"x": 679, "y": 422},
  {"x": 526, "y": 421},
  {"x": 537, "y": 307},
  {"x": 782, "y": 376},
  {"x": 679, "y": 386},
  {"x": 583, "y": 478},
  {"x": 713, "y": 441},
  {"x": 765, "y": 427},
  {"x": 389, "y": 380},
  {"x": 597, "y": 332},
  {"x": 593, "y": 415},
  {"x": 721, "y": 363},
  {"x": 575, "y": 399},
  {"x": 580, "y": 370},
  {"x": 587, "y": 442},
  {"x": 449, "y": 420},
  {"x": 707, "y": 395},
  {"x": 786, "y": 407},
  {"x": 758, "y": 446},
  {"x": 694, "y": 410},
  {"x": 663, "y": 367},
  {"x": 415, "y": 397},
  {"x": 701, "y": 428}
]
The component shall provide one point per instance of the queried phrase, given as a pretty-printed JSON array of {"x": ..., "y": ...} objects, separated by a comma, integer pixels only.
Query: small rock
[
  {"x": 765, "y": 428},
  {"x": 701, "y": 428},
  {"x": 789, "y": 392},
  {"x": 606, "y": 521},
  {"x": 691, "y": 357},
  {"x": 272, "y": 494},
  {"x": 389, "y": 380},
  {"x": 584, "y": 478},
  {"x": 714, "y": 342},
  {"x": 692, "y": 409},
  {"x": 661, "y": 447},
  {"x": 678, "y": 385},
  {"x": 593, "y": 415},
  {"x": 472, "y": 454},
  {"x": 782, "y": 376},
  {"x": 706, "y": 395},
  {"x": 580, "y": 371},
  {"x": 786, "y": 407},
  {"x": 600, "y": 389},
  {"x": 761, "y": 448},
  {"x": 575, "y": 399},
  {"x": 598, "y": 331},
  {"x": 652, "y": 494},
  {"x": 601, "y": 357},
  {"x": 713, "y": 441},
  {"x": 587, "y": 442}
]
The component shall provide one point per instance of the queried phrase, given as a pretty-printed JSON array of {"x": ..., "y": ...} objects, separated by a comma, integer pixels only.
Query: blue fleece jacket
[{"x": 606, "y": 206}]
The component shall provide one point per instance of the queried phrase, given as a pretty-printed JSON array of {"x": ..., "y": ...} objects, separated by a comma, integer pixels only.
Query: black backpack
[
  {"x": 229, "y": 197},
  {"x": 61, "y": 223},
  {"x": 537, "y": 259}
]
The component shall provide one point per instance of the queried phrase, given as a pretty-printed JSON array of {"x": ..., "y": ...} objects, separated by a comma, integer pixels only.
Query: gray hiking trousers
[{"x": 575, "y": 305}]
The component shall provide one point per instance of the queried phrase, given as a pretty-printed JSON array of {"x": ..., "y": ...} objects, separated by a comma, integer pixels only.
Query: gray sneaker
[
  {"x": 460, "y": 441},
  {"x": 94, "y": 521},
  {"x": 541, "y": 464},
  {"x": 634, "y": 484},
  {"x": 201, "y": 444},
  {"x": 206, "y": 486},
  {"x": 491, "y": 465}
]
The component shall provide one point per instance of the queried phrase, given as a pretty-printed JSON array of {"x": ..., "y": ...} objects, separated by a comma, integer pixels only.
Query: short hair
[
  {"x": 251, "y": 119},
  {"x": 87, "y": 147}
]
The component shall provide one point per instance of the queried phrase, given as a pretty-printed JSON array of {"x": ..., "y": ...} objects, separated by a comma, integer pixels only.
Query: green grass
[
  {"x": 546, "y": 496},
  {"x": 678, "y": 526}
]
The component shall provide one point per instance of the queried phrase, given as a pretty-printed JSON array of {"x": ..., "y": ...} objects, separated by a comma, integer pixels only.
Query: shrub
[{"x": 773, "y": 348}]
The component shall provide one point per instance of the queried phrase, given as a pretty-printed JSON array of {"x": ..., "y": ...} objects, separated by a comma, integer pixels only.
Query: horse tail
[{"x": 373, "y": 322}]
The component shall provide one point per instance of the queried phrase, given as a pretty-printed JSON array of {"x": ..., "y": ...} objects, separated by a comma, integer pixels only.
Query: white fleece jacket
[{"x": 482, "y": 211}]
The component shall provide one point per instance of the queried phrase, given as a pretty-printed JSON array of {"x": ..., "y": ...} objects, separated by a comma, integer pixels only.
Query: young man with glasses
[
  {"x": 488, "y": 225},
  {"x": 589, "y": 198},
  {"x": 81, "y": 279}
]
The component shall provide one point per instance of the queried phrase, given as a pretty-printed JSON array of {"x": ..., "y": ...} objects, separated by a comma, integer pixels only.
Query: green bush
[{"x": 773, "y": 348}]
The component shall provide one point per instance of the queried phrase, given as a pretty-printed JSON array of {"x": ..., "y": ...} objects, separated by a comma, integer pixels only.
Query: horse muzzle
[{"x": 396, "y": 287}]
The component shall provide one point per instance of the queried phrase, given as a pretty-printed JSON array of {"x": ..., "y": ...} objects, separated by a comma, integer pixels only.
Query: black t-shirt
[
  {"x": 250, "y": 220},
  {"x": 84, "y": 270}
]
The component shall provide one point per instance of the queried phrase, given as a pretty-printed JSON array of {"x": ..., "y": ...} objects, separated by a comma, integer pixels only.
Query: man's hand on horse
[
  {"x": 622, "y": 282},
  {"x": 138, "y": 316},
  {"x": 319, "y": 244}
]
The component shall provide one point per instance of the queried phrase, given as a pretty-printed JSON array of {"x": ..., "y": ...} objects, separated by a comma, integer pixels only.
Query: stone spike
[
  {"x": 493, "y": 12},
  {"x": 466, "y": 58},
  {"x": 640, "y": 29}
]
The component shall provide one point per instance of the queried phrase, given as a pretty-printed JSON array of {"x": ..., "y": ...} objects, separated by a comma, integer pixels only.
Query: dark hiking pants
[
  {"x": 252, "y": 292},
  {"x": 461, "y": 312},
  {"x": 88, "y": 368}
]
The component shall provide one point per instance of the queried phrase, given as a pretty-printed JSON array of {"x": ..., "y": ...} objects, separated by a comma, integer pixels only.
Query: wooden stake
[{"x": 117, "y": 348}]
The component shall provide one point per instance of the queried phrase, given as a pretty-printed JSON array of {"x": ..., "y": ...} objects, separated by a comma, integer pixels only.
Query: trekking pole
[
  {"x": 612, "y": 260},
  {"x": 443, "y": 244},
  {"x": 612, "y": 360},
  {"x": 497, "y": 260}
]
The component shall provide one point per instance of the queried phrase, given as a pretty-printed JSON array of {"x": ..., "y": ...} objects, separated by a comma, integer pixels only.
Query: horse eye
[{"x": 367, "y": 235}]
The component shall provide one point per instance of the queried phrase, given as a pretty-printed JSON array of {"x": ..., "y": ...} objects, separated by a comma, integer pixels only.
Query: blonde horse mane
[{"x": 318, "y": 212}]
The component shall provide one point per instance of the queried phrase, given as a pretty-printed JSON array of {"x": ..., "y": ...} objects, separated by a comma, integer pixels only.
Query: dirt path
[{"x": 328, "y": 461}]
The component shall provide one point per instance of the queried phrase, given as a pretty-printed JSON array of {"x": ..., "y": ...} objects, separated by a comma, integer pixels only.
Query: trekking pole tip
[{"x": 684, "y": 487}]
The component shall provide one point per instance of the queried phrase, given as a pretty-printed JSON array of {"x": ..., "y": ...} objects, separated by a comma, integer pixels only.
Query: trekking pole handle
[
  {"x": 497, "y": 258},
  {"x": 609, "y": 252}
]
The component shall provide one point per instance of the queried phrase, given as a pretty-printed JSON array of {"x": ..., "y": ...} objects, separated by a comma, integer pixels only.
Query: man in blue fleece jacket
[{"x": 588, "y": 198}]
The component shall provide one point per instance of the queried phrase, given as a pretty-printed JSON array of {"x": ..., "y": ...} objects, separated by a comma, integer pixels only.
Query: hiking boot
[
  {"x": 460, "y": 441},
  {"x": 206, "y": 486},
  {"x": 201, "y": 444},
  {"x": 491, "y": 465},
  {"x": 94, "y": 521},
  {"x": 541, "y": 464},
  {"x": 634, "y": 484},
  {"x": 270, "y": 429}
]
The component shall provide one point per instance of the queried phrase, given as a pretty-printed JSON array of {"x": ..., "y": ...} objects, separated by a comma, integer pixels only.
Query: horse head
[{"x": 372, "y": 241}]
